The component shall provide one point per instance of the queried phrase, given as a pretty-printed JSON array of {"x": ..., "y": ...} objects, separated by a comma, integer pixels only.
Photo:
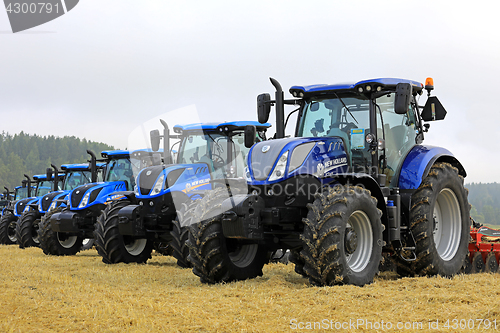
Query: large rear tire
[
  {"x": 439, "y": 221},
  {"x": 27, "y": 229},
  {"x": 114, "y": 247},
  {"x": 216, "y": 258},
  {"x": 8, "y": 224},
  {"x": 57, "y": 243},
  {"x": 342, "y": 238}
]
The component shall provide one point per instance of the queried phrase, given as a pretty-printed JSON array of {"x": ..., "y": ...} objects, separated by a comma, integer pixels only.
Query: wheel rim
[
  {"x": 11, "y": 232},
  {"x": 136, "y": 246},
  {"x": 244, "y": 255},
  {"x": 34, "y": 232},
  {"x": 358, "y": 241},
  {"x": 66, "y": 241},
  {"x": 447, "y": 224}
]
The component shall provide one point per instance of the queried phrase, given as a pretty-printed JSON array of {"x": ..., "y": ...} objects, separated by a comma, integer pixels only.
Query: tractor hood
[
  {"x": 93, "y": 194},
  {"x": 46, "y": 201},
  {"x": 158, "y": 180},
  {"x": 21, "y": 205},
  {"x": 276, "y": 160}
]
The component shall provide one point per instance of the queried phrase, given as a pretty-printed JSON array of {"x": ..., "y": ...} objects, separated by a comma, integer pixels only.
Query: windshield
[
  {"x": 224, "y": 156},
  {"x": 140, "y": 160},
  {"x": 21, "y": 193},
  {"x": 44, "y": 187},
  {"x": 121, "y": 169},
  {"x": 76, "y": 178},
  {"x": 349, "y": 119}
]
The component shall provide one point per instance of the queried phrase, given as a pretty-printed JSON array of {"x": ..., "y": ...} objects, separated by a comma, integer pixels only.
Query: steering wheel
[
  {"x": 344, "y": 126},
  {"x": 218, "y": 161}
]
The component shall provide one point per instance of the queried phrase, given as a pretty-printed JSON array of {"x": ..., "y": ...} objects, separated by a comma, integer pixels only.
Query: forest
[
  {"x": 485, "y": 201},
  {"x": 32, "y": 154}
]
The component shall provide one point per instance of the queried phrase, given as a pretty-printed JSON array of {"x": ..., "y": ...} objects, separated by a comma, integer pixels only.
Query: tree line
[
  {"x": 32, "y": 154},
  {"x": 485, "y": 201}
]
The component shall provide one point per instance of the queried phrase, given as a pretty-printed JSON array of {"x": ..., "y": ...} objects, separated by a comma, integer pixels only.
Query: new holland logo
[
  {"x": 266, "y": 148},
  {"x": 26, "y": 14},
  {"x": 148, "y": 173}
]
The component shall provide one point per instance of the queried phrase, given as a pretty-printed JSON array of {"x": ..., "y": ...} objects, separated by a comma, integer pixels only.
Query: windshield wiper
[{"x": 341, "y": 101}]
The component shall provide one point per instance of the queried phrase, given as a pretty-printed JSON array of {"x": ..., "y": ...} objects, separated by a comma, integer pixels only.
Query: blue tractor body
[
  {"x": 85, "y": 202},
  {"x": 355, "y": 181},
  {"x": 207, "y": 155}
]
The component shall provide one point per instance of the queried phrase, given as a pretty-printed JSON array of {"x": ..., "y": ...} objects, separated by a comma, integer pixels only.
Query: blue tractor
[
  {"x": 354, "y": 182},
  {"x": 74, "y": 175},
  {"x": 63, "y": 229},
  {"x": 26, "y": 228},
  {"x": 209, "y": 156},
  {"x": 8, "y": 220}
]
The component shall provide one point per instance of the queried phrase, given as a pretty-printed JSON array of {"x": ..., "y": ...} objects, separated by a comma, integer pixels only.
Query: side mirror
[
  {"x": 403, "y": 98},
  {"x": 49, "y": 173},
  {"x": 433, "y": 110},
  {"x": 155, "y": 139},
  {"x": 263, "y": 107},
  {"x": 250, "y": 134}
]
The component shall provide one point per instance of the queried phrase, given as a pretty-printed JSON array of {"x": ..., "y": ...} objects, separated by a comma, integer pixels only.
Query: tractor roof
[
  {"x": 384, "y": 83},
  {"x": 80, "y": 166},
  {"x": 115, "y": 154},
  {"x": 217, "y": 127},
  {"x": 44, "y": 177}
]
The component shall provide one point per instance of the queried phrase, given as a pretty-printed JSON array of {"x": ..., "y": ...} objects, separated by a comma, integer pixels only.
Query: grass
[{"x": 42, "y": 293}]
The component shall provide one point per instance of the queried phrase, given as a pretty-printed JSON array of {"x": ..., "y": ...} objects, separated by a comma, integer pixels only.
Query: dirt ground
[{"x": 40, "y": 293}]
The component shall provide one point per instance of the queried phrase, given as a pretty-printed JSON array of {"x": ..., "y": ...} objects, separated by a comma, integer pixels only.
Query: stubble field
[{"x": 81, "y": 294}]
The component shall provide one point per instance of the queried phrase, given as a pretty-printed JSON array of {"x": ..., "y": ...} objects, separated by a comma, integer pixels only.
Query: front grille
[
  {"x": 147, "y": 178},
  {"x": 77, "y": 194},
  {"x": 47, "y": 200}
]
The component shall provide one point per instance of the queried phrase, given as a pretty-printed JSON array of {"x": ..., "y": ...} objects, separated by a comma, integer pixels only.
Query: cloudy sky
[{"x": 108, "y": 66}]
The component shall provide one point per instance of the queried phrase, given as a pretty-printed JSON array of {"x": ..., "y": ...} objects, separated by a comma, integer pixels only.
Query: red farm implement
[{"x": 484, "y": 250}]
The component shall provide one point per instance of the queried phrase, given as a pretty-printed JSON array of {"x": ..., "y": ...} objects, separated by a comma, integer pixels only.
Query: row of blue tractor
[
  {"x": 84, "y": 200},
  {"x": 354, "y": 184}
]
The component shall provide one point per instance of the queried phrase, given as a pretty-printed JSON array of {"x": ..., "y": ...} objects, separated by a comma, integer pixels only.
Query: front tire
[
  {"x": 27, "y": 229},
  {"x": 439, "y": 221},
  {"x": 180, "y": 235},
  {"x": 342, "y": 238},
  {"x": 87, "y": 244},
  {"x": 8, "y": 224},
  {"x": 216, "y": 258},
  {"x": 114, "y": 247},
  {"x": 57, "y": 243}
]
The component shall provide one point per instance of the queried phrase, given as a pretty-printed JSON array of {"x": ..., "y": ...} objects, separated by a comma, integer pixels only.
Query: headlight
[
  {"x": 136, "y": 190},
  {"x": 158, "y": 185},
  {"x": 279, "y": 169},
  {"x": 52, "y": 205},
  {"x": 85, "y": 200},
  {"x": 27, "y": 208},
  {"x": 247, "y": 175}
]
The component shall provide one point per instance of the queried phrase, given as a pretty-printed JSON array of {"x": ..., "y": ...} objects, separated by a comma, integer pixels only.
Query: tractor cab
[
  {"x": 375, "y": 136},
  {"x": 218, "y": 145}
]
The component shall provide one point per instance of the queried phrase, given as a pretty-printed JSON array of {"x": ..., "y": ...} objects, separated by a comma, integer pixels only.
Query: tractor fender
[{"x": 419, "y": 161}]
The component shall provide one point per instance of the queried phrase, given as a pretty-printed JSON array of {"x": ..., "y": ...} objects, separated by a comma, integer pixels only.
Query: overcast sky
[{"x": 108, "y": 66}]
